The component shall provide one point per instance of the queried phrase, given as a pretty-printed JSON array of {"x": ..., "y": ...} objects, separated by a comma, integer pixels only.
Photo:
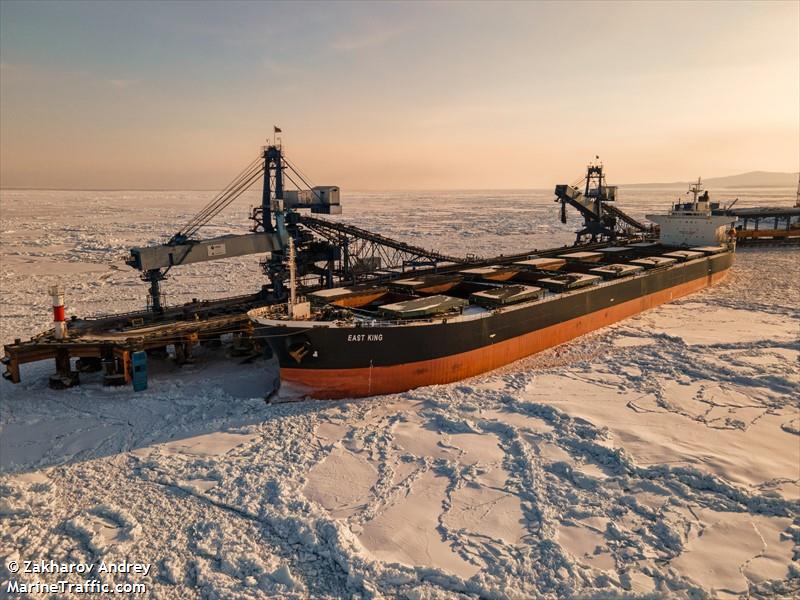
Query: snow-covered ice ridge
[{"x": 656, "y": 458}]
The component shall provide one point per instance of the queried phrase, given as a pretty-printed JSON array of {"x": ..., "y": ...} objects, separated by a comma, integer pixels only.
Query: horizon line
[{"x": 453, "y": 189}]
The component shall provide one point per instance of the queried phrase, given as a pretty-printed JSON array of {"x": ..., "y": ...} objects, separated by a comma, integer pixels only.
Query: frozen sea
[{"x": 659, "y": 457}]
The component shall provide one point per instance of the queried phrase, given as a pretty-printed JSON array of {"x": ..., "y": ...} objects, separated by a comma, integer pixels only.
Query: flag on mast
[{"x": 277, "y": 129}]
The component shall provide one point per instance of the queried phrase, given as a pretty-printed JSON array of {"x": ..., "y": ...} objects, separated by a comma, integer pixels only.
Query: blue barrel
[{"x": 139, "y": 368}]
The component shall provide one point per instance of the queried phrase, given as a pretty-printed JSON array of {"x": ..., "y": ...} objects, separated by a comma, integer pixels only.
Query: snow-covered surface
[{"x": 660, "y": 455}]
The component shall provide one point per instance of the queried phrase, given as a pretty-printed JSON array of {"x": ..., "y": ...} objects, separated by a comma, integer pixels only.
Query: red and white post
[{"x": 57, "y": 294}]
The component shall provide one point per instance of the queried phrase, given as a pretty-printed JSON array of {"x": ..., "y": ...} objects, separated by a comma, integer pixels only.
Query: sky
[{"x": 407, "y": 95}]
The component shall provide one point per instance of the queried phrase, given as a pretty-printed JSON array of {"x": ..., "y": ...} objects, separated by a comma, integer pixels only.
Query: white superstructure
[{"x": 692, "y": 224}]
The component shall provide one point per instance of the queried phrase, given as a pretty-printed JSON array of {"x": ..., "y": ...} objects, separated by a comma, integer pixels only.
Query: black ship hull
[{"x": 335, "y": 361}]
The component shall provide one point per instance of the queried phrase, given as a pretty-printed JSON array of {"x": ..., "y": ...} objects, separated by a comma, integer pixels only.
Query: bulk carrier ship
[
  {"x": 436, "y": 328},
  {"x": 350, "y": 312}
]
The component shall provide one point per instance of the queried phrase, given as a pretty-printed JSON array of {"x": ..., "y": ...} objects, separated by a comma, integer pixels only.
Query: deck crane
[
  {"x": 327, "y": 252},
  {"x": 601, "y": 218}
]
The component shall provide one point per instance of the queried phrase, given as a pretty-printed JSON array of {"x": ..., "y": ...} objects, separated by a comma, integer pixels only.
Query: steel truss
[{"x": 362, "y": 253}]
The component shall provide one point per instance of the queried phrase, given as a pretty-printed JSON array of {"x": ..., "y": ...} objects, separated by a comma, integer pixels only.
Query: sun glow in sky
[{"x": 396, "y": 95}]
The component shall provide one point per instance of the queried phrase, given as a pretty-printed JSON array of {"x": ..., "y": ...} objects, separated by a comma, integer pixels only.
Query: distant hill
[{"x": 753, "y": 179}]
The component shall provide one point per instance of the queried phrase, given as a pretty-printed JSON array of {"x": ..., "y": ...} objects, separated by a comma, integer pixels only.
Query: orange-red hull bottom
[{"x": 371, "y": 381}]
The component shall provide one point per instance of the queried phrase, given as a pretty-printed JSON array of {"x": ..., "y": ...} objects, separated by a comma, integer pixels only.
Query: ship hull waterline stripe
[{"x": 372, "y": 381}]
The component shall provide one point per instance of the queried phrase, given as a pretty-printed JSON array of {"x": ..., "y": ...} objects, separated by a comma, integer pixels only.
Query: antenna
[{"x": 695, "y": 190}]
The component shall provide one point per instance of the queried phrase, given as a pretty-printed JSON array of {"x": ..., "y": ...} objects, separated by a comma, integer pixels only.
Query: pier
[{"x": 766, "y": 225}]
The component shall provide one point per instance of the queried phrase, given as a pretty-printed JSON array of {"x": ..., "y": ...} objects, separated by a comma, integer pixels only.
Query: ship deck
[{"x": 371, "y": 314}]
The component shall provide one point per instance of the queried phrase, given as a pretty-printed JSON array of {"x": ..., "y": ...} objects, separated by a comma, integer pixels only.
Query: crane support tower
[
  {"x": 595, "y": 202},
  {"x": 326, "y": 253}
]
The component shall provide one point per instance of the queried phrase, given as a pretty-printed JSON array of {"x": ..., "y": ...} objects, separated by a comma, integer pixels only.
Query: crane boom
[{"x": 165, "y": 256}]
